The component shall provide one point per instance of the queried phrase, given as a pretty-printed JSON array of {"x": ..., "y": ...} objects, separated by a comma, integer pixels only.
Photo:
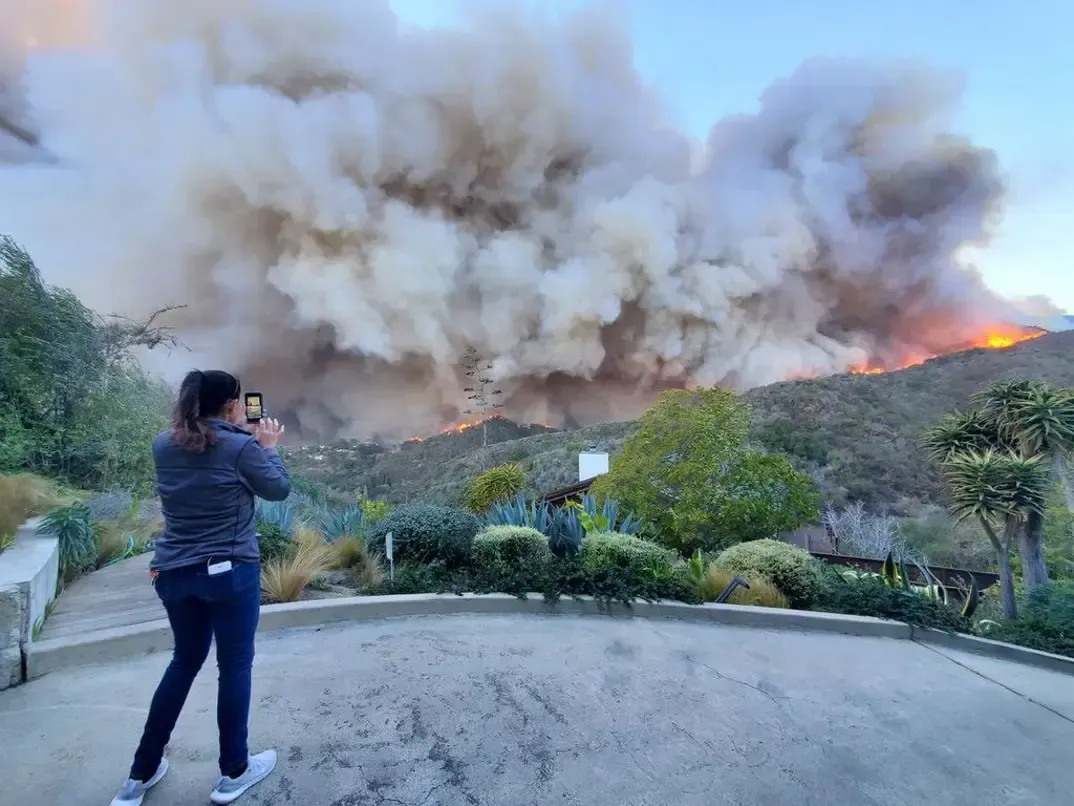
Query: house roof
[{"x": 564, "y": 494}]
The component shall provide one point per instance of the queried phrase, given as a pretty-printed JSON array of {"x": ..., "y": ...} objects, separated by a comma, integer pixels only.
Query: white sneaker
[
  {"x": 133, "y": 791},
  {"x": 257, "y": 769}
]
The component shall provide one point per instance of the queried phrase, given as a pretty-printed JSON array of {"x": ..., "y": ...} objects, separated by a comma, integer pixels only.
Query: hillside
[{"x": 856, "y": 434}]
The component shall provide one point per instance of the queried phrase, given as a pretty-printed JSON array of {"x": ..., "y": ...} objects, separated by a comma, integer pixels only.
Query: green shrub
[
  {"x": 426, "y": 534},
  {"x": 869, "y": 596},
  {"x": 1046, "y": 622},
  {"x": 626, "y": 552},
  {"x": 494, "y": 485},
  {"x": 275, "y": 542},
  {"x": 791, "y": 569},
  {"x": 412, "y": 578},
  {"x": 510, "y": 559},
  {"x": 618, "y": 566}
]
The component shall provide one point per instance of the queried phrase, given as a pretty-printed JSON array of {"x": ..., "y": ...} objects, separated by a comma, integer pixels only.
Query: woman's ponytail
[
  {"x": 202, "y": 396},
  {"x": 189, "y": 430}
]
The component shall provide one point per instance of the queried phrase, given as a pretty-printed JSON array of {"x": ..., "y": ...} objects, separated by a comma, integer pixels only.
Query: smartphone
[{"x": 254, "y": 411}]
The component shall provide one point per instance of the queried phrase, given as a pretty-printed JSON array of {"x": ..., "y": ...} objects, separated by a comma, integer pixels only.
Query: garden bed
[{"x": 312, "y": 553}]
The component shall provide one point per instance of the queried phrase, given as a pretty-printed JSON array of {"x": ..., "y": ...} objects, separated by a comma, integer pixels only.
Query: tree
[
  {"x": 760, "y": 496},
  {"x": 1042, "y": 422},
  {"x": 960, "y": 432},
  {"x": 1000, "y": 490},
  {"x": 865, "y": 534},
  {"x": 684, "y": 471},
  {"x": 73, "y": 402},
  {"x": 1027, "y": 418}
]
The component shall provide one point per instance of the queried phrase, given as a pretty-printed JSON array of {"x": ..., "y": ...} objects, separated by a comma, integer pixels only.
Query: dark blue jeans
[{"x": 200, "y": 607}]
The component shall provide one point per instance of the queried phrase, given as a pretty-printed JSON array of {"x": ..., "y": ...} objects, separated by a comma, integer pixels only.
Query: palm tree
[{"x": 1001, "y": 490}]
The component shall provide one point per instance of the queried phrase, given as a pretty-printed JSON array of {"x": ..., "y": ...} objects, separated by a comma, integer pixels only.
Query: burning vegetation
[{"x": 998, "y": 338}]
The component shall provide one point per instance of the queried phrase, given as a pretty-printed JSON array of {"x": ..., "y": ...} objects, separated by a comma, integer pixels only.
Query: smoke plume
[{"x": 346, "y": 205}]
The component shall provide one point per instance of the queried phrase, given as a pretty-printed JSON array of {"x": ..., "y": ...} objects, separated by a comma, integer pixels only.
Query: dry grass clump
[
  {"x": 23, "y": 496},
  {"x": 114, "y": 536},
  {"x": 284, "y": 579},
  {"x": 761, "y": 593},
  {"x": 365, "y": 567}
]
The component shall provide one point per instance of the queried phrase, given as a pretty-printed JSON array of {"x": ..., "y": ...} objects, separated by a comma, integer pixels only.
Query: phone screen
[{"x": 253, "y": 407}]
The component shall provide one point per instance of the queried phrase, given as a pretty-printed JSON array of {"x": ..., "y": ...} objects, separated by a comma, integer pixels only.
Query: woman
[{"x": 208, "y": 573}]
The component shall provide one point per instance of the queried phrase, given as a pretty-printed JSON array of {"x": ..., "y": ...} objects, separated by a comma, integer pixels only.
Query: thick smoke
[{"x": 346, "y": 205}]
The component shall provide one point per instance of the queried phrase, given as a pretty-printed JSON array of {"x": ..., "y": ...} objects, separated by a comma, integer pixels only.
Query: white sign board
[{"x": 389, "y": 552}]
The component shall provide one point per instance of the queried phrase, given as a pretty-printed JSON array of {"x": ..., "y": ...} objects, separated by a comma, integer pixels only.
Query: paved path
[
  {"x": 524, "y": 710},
  {"x": 117, "y": 596}
]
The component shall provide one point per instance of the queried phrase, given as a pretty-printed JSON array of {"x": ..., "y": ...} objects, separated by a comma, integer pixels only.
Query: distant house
[{"x": 591, "y": 463}]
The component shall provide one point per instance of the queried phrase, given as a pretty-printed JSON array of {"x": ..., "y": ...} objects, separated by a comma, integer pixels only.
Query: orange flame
[
  {"x": 466, "y": 425},
  {"x": 996, "y": 339}
]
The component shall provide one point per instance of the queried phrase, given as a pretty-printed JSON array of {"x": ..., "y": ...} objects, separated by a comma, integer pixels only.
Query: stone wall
[
  {"x": 29, "y": 572},
  {"x": 12, "y": 618}
]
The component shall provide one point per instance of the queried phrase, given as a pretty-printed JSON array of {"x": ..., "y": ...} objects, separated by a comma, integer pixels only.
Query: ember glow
[{"x": 999, "y": 338}]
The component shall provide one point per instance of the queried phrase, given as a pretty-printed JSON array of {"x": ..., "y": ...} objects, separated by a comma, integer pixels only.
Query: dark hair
[{"x": 202, "y": 395}]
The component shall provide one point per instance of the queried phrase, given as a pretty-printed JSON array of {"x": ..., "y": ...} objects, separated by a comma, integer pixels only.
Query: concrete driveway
[{"x": 492, "y": 710}]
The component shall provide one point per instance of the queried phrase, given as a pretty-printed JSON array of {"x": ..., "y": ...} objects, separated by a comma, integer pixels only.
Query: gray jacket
[{"x": 208, "y": 498}]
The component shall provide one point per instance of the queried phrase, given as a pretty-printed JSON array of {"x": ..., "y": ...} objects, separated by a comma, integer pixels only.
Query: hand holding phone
[{"x": 254, "y": 409}]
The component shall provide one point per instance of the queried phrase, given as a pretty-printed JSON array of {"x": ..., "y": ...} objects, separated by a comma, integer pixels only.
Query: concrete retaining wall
[{"x": 29, "y": 572}]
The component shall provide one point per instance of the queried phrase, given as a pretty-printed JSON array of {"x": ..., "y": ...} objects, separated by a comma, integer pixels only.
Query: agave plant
[
  {"x": 336, "y": 524},
  {"x": 286, "y": 515},
  {"x": 606, "y": 517},
  {"x": 518, "y": 511},
  {"x": 567, "y": 531},
  {"x": 564, "y": 527}
]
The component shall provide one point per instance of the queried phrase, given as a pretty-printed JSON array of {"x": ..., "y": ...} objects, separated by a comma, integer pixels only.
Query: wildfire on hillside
[
  {"x": 458, "y": 428},
  {"x": 466, "y": 425},
  {"x": 998, "y": 338}
]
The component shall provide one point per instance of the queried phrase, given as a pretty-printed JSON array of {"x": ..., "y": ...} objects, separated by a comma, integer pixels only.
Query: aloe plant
[{"x": 72, "y": 526}]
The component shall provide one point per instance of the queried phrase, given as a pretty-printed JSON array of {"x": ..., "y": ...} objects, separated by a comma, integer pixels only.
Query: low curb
[
  {"x": 994, "y": 649},
  {"x": 127, "y": 642}
]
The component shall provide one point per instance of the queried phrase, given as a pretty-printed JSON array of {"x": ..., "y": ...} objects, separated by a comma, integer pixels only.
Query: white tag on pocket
[{"x": 219, "y": 568}]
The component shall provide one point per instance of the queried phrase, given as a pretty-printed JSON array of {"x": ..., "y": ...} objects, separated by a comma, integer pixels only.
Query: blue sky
[{"x": 714, "y": 58}]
